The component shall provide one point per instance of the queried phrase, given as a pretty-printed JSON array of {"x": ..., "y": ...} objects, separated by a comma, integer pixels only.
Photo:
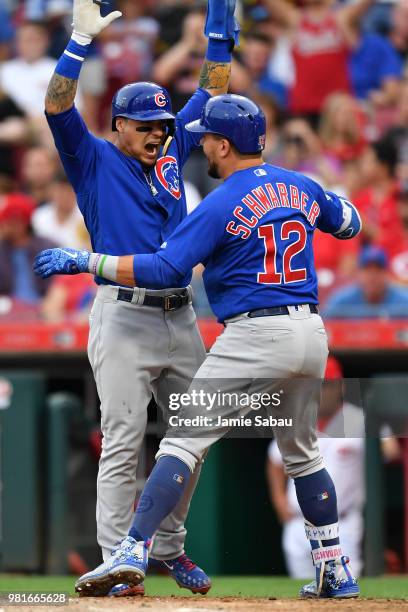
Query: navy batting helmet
[
  {"x": 142, "y": 101},
  {"x": 237, "y": 118}
]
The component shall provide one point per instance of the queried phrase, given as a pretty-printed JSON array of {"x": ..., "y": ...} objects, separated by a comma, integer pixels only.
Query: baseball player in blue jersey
[
  {"x": 254, "y": 235},
  {"x": 132, "y": 198}
]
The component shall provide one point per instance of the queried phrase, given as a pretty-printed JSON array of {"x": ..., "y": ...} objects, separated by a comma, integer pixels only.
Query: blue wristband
[
  {"x": 219, "y": 50},
  {"x": 70, "y": 63}
]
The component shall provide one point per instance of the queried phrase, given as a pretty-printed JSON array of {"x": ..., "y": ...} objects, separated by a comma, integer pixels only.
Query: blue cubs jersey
[
  {"x": 126, "y": 210},
  {"x": 254, "y": 235}
]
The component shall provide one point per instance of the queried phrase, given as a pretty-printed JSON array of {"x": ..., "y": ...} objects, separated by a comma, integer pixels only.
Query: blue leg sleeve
[
  {"x": 318, "y": 501},
  {"x": 160, "y": 496}
]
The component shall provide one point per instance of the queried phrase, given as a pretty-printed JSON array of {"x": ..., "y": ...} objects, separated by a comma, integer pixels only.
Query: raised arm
[
  {"x": 222, "y": 31},
  {"x": 349, "y": 17},
  {"x": 215, "y": 77},
  {"x": 192, "y": 42},
  {"x": 87, "y": 22},
  {"x": 284, "y": 12},
  {"x": 352, "y": 12},
  {"x": 60, "y": 94}
]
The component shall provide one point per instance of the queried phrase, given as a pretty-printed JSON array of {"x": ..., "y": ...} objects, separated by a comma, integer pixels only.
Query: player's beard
[{"x": 213, "y": 170}]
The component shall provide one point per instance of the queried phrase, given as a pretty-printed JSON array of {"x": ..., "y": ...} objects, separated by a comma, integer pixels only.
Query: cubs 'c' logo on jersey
[
  {"x": 160, "y": 99},
  {"x": 167, "y": 172}
]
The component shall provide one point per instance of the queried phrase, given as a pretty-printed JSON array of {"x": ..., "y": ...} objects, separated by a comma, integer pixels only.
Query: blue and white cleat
[
  {"x": 338, "y": 582},
  {"x": 130, "y": 562},
  {"x": 95, "y": 583},
  {"x": 127, "y": 565},
  {"x": 187, "y": 574}
]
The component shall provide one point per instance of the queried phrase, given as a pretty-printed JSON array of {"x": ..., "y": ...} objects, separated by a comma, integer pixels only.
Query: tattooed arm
[
  {"x": 88, "y": 23},
  {"x": 215, "y": 77},
  {"x": 60, "y": 94}
]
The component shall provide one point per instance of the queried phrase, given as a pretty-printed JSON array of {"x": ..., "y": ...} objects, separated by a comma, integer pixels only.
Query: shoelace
[
  {"x": 332, "y": 577},
  {"x": 115, "y": 549},
  {"x": 125, "y": 554},
  {"x": 186, "y": 562},
  {"x": 125, "y": 549}
]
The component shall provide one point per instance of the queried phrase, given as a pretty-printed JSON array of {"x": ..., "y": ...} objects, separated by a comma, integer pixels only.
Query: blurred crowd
[{"x": 331, "y": 77}]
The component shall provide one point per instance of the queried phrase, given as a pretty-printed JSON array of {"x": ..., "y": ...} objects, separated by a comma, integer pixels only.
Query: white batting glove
[{"x": 87, "y": 21}]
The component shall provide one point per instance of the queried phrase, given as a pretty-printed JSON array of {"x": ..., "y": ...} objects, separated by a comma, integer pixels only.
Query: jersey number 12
[{"x": 270, "y": 276}]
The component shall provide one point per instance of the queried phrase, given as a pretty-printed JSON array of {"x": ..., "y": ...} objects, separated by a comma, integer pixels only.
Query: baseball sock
[
  {"x": 160, "y": 496},
  {"x": 318, "y": 501}
]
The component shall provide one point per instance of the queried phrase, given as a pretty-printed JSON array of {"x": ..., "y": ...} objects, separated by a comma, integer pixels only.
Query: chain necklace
[{"x": 149, "y": 181}]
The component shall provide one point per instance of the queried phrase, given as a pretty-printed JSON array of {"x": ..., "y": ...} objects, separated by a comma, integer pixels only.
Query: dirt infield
[{"x": 221, "y": 604}]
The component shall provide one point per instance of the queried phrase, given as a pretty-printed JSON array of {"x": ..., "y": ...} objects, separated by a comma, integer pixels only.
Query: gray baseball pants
[
  {"x": 260, "y": 355},
  {"x": 136, "y": 351}
]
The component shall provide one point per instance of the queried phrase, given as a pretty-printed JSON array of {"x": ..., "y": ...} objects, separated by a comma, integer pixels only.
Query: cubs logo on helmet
[
  {"x": 142, "y": 101},
  {"x": 160, "y": 99},
  {"x": 167, "y": 173}
]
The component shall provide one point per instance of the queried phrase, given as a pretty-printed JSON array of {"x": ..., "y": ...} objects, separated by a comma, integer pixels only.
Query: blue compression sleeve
[
  {"x": 161, "y": 494},
  {"x": 317, "y": 500}
]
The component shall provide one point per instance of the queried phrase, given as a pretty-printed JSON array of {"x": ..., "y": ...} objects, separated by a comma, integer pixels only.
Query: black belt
[
  {"x": 166, "y": 302},
  {"x": 279, "y": 310}
]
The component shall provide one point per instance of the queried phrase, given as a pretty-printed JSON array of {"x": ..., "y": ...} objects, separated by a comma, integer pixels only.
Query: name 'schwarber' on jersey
[
  {"x": 265, "y": 198},
  {"x": 254, "y": 236}
]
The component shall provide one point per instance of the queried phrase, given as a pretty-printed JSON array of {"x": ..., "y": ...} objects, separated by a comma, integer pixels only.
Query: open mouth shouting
[{"x": 152, "y": 149}]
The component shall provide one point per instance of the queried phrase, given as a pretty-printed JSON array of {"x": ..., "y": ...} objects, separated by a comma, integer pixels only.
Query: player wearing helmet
[
  {"x": 132, "y": 197},
  {"x": 142, "y": 117},
  {"x": 254, "y": 234}
]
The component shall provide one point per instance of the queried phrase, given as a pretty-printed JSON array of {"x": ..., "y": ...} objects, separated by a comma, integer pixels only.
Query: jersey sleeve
[
  {"x": 338, "y": 216},
  {"x": 77, "y": 148},
  {"x": 193, "y": 242},
  {"x": 186, "y": 141}
]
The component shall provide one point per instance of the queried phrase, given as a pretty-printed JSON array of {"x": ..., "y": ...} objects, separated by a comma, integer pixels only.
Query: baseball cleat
[
  {"x": 130, "y": 562},
  {"x": 126, "y": 565},
  {"x": 187, "y": 574},
  {"x": 125, "y": 590},
  {"x": 97, "y": 582},
  {"x": 338, "y": 582}
]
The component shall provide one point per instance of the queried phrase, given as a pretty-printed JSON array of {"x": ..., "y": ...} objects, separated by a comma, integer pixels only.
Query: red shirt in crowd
[
  {"x": 320, "y": 55},
  {"x": 398, "y": 264},
  {"x": 382, "y": 215},
  {"x": 329, "y": 253},
  {"x": 79, "y": 289},
  {"x": 335, "y": 261}
]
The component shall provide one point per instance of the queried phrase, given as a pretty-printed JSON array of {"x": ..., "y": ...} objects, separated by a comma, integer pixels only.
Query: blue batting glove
[
  {"x": 221, "y": 23},
  {"x": 61, "y": 261}
]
